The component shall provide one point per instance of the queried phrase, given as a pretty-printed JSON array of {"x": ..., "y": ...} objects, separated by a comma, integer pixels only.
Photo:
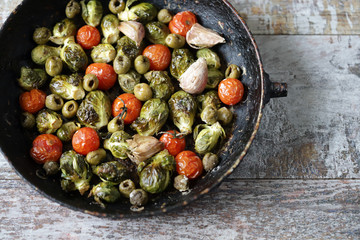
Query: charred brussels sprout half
[
  {"x": 181, "y": 60},
  {"x": 207, "y": 137},
  {"x": 48, "y": 121},
  {"x": 73, "y": 55},
  {"x": 209, "y": 98},
  {"x": 105, "y": 191},
  {"x": 160, "y": 83},
  {"x": 42, "y": 52},
  {"x": 214, "y": 78},
  {"x": 41, "y": 35},
  {"x": 143, "y": 12},
  {"x": 92, "y": 12},
  {"x": 110, "y": 30},
  {"x": 67, "y": 131},
  {"x": 68, "y": 87},
  {"x": 62, "y": 30},
  {"x": 95, "y": 110},
  {"x": 113, "y": 172},
  {"x": 127, "y": 47},
  {"x": 156, "y": 32},
  {"x": 212, "y": 59},
  {"x": 129, "y": 80},
  {"x": 103, "y": 53},
  {"x": 117, "y": 144},
  {"x": 32, "y": 78}
]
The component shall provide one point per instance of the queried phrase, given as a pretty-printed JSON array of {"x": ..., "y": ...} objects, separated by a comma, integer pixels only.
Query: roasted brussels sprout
[
  {"x": 212, "y": 59},
  {"x": 207, "y": 137},
  {"x": 127, "y": 47},
  {"x": 42, "y": 52},
  {"x": 91, "y": 82},
  {"x": 214, "y": 78},
  {"x": 181, "y": 183},
  {"x": 209, "y": 115},
  {"x": 75, "y": 169},
  {"x": 73, "y": 55},
  {"x": 69, "y": 109},
  {"x": 110, "y": 30},
  {"x": 209, "y": 98},
  {"x": 122, "y": 64},
  {"x": 27, "y": 120},
  {"x": 143, "y": 12},
  {"x": 153, "y": 116},
  {"x": 116, "y": 6},
  {"x": 41, "y": 35},
  {"x": 128, "y": 81},
  {"x": 32, "y": 78},
  {"x": 103, "y": 53},
  {"x": 92, "y": 12},
  {"x": 105, "y": 191},
  {"x": 155, "y": 173},
  {"x": 210, "y": 161},
  {"x": 138, "y": 197},
  {"x": 68, "y": 87},
  {"x": 54, "y": 102},
  {"x": 51, "y": 168},
  {"x": 224, "y": 116},
  {"x": 67, "y": 131},
  {"x": 160, "y": 83},
  {"x": 183, "y": 110},
  {"x": 126, "y": 187},
  {"x": 143, "y": 92},
  {"x": 116, "y": 124},
  {"x": 95, "y": 110},
  {"x": 181, "y": 60},
  {"x": 156, "y": 32},
  {"x": 175, "y": 41},
  {"x": 142, "y": 64},
  {"x": 233, "y": 71},
  {"x": 53, "y": 66},
  {"x": 62, "y": 30},
  {"x": 113, "y": 172},
  {"x": 117, "y": 144},
  {"x": 96, "y": 157},
  {"x": 48, "y": 121},
  {"x": 72, "y": 9},
  {"x": 164, "y": 16}
]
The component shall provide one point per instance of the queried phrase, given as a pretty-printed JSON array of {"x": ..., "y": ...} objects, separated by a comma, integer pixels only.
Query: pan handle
[{"x": 273, "y": 89}]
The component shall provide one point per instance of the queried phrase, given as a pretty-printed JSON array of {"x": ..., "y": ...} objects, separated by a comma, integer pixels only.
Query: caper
[
  {"x": 181, "y": 183},
  {"x": 233, "y": 71},
  {"x": 174, "y": 40},
  {"x": 164, "y": 16},
  {"x": 53, "y": 66},
  {"x": 27, "y": 120},
  {"x": 142, "y": 64},
  {"x": 116, "y": 6},
  {"x": 72, "y": 9},
  {"x": 121, "y": 64},
  {"x": 116, "y": 124},
  {"x": 54, "y": 102},
  {"x": 69, "y": 109},
  {"x": 210, "y": 161},
  {"x": 138, "y": 197},
  {"x": 96, "y": 157},
  {"x": 143, "y": 92},
  {"x": 224, "y": 116},
  {"x": 41, "y": 35},
  {"x": 51, "y": 168},
  {"x": 126, "y": 187},
  {"x": 91, "y": 82}
]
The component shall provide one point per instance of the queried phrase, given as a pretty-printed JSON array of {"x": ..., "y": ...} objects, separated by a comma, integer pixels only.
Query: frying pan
[{"x": 240, "y": 49}]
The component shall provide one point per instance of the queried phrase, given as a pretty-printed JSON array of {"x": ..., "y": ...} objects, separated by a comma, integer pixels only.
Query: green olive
[
  {"x": 174, "y": 40},
  {"x": 210, "y": 161},
  {"x": 54, "y": 102},
  {"x": 41, "y": 35},
  {"x": 116, "y": 124},
  {"x": 138, "y": 197},
  {"x": 224, "y": 116},
  {"x": 116, "y": 6},
  {"x": 143, "y": 92},
  {"x": 91, "y": 82},
  {"x": 27, "y": 120},
  {"x": 126, "y": 187},
  {"x": 142, "y": 64},
  {"x": 53, "y": 66},
  {"x": 51, "y": 168},
  {"x": 72, "y": 9},
  {"x": 96, "y": 157},
  {"x": 69, "y": 109},
  {"x": 121, "y": 64},
  {"x": 164, "y": 16},
  {"x": 181, "y": 183},
  {"x": 233, "y": 71}
]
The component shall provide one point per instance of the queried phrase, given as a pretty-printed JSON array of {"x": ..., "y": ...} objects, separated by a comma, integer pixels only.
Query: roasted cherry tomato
[
  {"x": 85, "y": 140},
  {"x": 46, "y": 148},
  {"x": 132, "y": 107},
  {"x": 173, "y": 142},
  {"x": 159, "y": 56},
  {"x": 231, "y": 91},
  {"x": 189, "y": 164},
  {"x": 88, "y": 37},
  {"x": 182, "y": 23},
  {"x": 105, "y": 73},
  {"x": 32, "y": 101}
]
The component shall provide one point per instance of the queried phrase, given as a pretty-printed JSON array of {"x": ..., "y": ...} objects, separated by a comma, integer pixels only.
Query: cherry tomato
[
  {"x": 189, "y": 164},
  {"x": 132, "y": 104},
  {"x": 88, "y": 37},
  {"x": 182, "y": 23},
  {"x": 46, "y": 148},
  {"x": 173, "y": 142},
  {"x": 231, "y": 91},
  {"x": 85, "y": 140},
  {"x": 159, "y": 56},
  {"x": 32, "y": 101},
  {"x": 105, "y": 73}
]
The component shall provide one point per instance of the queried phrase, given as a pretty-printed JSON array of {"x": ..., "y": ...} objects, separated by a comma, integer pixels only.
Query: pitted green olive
[
  {"x": 143, "y": 92},
  {"x": 27, "y": 120},
  {"x": 142, "y": 64},
  {"x": 69, "y": 109},
  {"x": 67, "y": 131},
  {"x": 91, "y": 82},
  {"x": 174, "y": 40},
  {"x": 54, "y": 102},
  {"x": 138, "y": 197},
  {"x": 126, "y": 187},
  {"x": 224, "y": 116},
  {"x": 122, "y": 64},
  {"x": 53, "y": 66},
  {"x": 72, "y": 9},
  {"x": 41, "y": 35},
  {"x": 233, "y": 71},
  {"x": 164, "y": 16},
  {"x": 51, "y": 168},
  {"x": 116, "y": 6},
  {"x": 96, "y": 157}
]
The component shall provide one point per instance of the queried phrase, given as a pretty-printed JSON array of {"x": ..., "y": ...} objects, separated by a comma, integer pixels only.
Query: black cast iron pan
[{"x": 16, "y": 45}]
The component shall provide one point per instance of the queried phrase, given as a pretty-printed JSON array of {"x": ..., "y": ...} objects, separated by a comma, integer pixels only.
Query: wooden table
[{"x": 300, "y": 179}]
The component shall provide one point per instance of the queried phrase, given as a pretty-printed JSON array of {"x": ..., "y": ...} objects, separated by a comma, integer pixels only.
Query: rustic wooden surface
[{"x": 300, "y": 179}]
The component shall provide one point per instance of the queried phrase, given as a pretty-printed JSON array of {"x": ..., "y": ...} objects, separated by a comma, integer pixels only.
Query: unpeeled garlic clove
[
  {"x": 133, "y": 30},
  {"x": 200, "y": 37},
  {"x": 194, "y": 79},
  {"x": 143, "y": 147}
]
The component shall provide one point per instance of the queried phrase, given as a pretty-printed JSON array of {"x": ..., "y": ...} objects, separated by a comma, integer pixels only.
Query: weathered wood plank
[{"x": 291, "y": 209}]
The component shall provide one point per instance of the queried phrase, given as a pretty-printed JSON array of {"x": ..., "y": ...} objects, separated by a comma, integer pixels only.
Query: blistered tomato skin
[
  {"x": 159, "y": 56},
  {"x": 88, "y": 37},
  {"x": 189, "y": 164},
  {"x": 230, "y": 91},
  {"x": 132, "y": 104},
  {"x": 182, "y": 23},
  {"x": 32, "y": 101},
  {"x": 105, "y": 74},
  {"x": 46, "y": 148},
  {"x": 85, "y": 140},
  {"x": 173, "y": 142}
]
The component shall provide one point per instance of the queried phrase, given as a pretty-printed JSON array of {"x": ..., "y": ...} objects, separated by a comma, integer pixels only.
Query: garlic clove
[
  {"x": 133, "y": 30},
  {"x": 143, "y": 147},
  {"x": 200, "y": 37},
  {"x": 194, "y": 79}
]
